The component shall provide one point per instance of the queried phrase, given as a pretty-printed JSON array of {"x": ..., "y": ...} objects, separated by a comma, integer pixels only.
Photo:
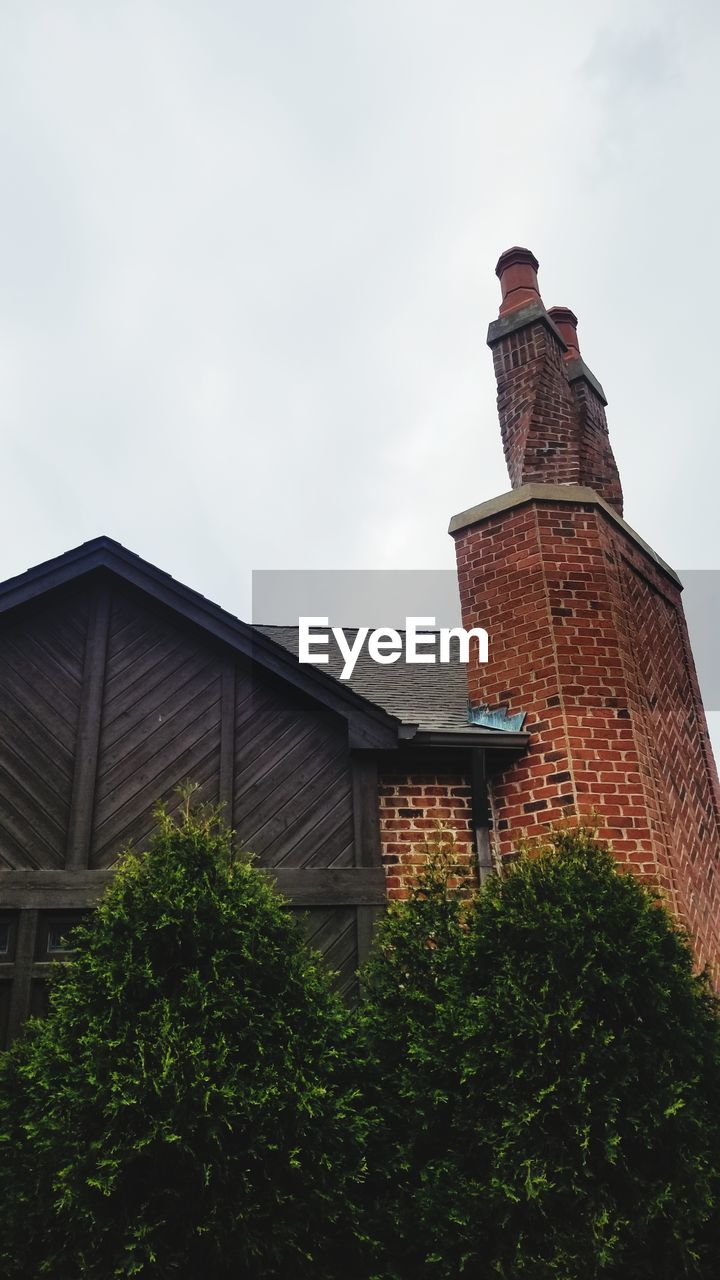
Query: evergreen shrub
[
  {"x": 186, "y": 1108},
  {"x": 543, "y": 1072}
]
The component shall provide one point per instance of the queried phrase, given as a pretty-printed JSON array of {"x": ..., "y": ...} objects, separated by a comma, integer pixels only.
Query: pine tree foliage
[
  {"x": 185, "y": 1109},
  {"x": 545, "y": 1082}
]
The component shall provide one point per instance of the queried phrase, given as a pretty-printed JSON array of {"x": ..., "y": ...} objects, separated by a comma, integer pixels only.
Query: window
[
  {"x": 56, "y": 939},
  {"x": 54, "y": 934},
  {"x": 4, "y": 937}
]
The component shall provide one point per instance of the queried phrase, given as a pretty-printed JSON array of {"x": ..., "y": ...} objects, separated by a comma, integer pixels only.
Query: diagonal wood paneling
[
  {"x": 332, "y": 931},
  {"x": 108, "y": 702},
  {"x": 41, "y": 667},
  {"x": 293, "y": 783},
  {"x": 160, "y": 725}
]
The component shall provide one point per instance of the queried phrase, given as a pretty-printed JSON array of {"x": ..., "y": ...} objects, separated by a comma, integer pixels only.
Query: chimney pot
[
  {"x": 517, "y": 271},
  {"x": 566, "y": 322}
]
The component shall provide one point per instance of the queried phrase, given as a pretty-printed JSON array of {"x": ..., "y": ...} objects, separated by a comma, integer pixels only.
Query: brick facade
[
  {"x": 588, "y": 636},
  {"x": 412, "y": 807}
]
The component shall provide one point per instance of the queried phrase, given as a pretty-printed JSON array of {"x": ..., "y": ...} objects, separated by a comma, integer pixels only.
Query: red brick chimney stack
[
  {"x": 586, "y": 625},
  {"x": 566, "y": 323},
  {"x": 552, "y": 408},
  {"x": 598, "y": 468},
  {"x": 535, "y": 403}
]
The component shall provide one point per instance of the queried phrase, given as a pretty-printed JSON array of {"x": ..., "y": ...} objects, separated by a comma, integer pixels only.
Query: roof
[
  {"x": 431, "y": 695},
  {"x": 382, "y": 704},
  {"x": 369, "y": 725}
]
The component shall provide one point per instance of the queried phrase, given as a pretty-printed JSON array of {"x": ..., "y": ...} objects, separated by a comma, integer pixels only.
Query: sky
[{"x": 247, "y": 259}]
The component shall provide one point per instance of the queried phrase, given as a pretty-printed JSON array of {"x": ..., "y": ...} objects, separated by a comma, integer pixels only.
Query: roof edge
[{"x": 368, "y": 722}]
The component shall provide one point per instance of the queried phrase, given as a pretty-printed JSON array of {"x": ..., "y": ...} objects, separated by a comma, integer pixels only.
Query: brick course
[{"x": 412, "y": 806}]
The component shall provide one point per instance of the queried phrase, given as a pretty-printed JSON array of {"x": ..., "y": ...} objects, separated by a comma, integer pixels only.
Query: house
[{"x": 118, "y": 683}]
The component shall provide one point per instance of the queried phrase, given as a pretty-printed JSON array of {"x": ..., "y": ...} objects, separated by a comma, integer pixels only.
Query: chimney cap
[
  {"x": 563, "y": 315},
  {"x": 567, "y": 323},
  {"x": 516, "y": 256}
]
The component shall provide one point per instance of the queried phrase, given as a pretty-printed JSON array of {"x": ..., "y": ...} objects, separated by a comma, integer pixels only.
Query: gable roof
[{"x": 383, "y": 705}]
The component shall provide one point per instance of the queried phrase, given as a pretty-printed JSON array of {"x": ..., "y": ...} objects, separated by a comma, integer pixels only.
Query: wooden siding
[
  {"x": 108, "y": 702},
  {"x": 333, "y": 932},
  {"x": 41, "y": 671},
  {"x": 160, "y": 724},
  {"x": 292, "y": 781}
]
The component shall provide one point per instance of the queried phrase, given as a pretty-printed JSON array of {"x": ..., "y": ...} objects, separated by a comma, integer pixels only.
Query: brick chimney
[
  {"x": 586, "y": 625},
  {"x": 552, "y": 408}
]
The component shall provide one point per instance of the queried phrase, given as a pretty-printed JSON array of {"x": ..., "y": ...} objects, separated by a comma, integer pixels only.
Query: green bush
[
  {"x": 185, "y": 1109},
  {"x": 539, "y": 1070},
  {"x": 545, "y": 1080},
  {"x": 410, "y": 1027}
]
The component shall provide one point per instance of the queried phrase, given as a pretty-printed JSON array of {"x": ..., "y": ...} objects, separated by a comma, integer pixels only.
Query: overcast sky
[{"x": 248, "y": 258}]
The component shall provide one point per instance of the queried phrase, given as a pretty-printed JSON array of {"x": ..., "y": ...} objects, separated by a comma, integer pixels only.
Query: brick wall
[
  {"x": 411, "y": 807},
  {"x": 587, "y": 635}
]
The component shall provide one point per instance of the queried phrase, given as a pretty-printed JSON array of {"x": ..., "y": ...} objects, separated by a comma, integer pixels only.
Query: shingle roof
[{"x": 431, "y": 695}]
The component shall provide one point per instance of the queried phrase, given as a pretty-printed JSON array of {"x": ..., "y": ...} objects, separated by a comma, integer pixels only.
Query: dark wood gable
[{"x": 110, "y": 698}]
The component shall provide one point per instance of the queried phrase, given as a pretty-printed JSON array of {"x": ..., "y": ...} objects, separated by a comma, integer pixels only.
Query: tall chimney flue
[
  {"x": 567, "y": 322},
  {"x": 517, "y": 272},
  {"x": 551, "y": 406}
]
